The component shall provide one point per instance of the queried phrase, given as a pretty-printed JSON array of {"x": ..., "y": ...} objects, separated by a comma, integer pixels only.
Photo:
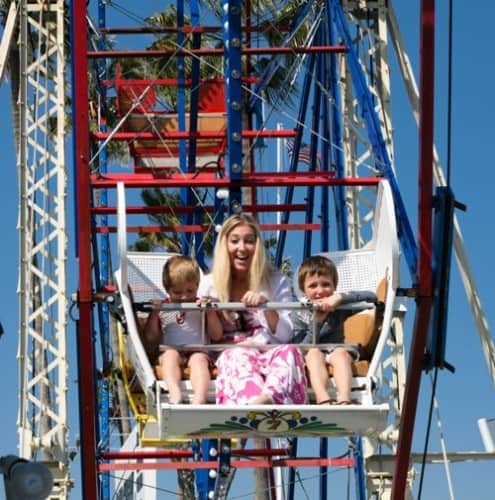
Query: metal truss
[
  {"x": 368, "y": 20},
  {"x": 42, "y": 419},
  {"x": 370, "y": 32}
]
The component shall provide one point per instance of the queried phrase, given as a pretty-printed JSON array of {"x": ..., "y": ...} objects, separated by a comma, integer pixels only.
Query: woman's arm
[
  {"x": 214, "y": 327},
  {"x": 278, "y": 324},
  {"x": 282, "y": 292}
]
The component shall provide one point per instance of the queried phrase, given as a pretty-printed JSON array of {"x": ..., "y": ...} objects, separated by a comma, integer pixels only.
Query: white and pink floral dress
[{"x": 245, "y": 372}]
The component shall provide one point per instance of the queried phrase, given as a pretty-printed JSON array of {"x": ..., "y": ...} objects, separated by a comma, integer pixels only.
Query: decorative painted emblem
[{"x": 272, "y": 422}]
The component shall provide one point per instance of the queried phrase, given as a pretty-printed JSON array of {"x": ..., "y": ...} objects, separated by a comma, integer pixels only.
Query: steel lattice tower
[{"x": 41, "y": 162}]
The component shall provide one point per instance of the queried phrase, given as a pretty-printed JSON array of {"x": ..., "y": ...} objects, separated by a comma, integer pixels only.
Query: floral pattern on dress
[{"x": 244, "y": 373}]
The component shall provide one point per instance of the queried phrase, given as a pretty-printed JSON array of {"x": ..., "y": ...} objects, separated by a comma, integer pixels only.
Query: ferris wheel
[{"x": 182, "y": 117}]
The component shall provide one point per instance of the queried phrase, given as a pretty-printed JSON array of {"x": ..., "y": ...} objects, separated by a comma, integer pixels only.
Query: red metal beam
[
  {"x": 167, "y": 82},
  {"x": 236, "y": 464},
  {"x": 149, "y": 136},
  {"x": 86, "y": 371},
  {"x": 299, "y": 179},
  {"x": 201, "y": 228},
  {"x": 161, "y": 454},
  {"x": 108, "y": 54},
  {"x": 189, "y": 29},
  {"x": 162, "y": 209},
  {"x": 424, "y": 294}
]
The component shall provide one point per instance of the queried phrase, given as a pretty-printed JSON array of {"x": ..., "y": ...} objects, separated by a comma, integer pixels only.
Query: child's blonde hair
[
  {"x": 179, "y": 270},
  {"x": 319, "y": 265},
  {"x": 222, "y": 274}
]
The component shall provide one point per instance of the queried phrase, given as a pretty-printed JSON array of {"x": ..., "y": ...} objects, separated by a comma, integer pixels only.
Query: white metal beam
[
  {"x": 8, "y": 32},
  {"x": 42, "y": 419}
]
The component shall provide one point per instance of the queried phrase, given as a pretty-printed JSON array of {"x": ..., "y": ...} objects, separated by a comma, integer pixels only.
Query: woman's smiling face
[{"x": 241, "y": 244}]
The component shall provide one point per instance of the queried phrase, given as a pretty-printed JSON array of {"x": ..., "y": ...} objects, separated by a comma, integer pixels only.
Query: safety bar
[
  {"x": 203, "y": 307},
  {"x": 240, "y": 306}
]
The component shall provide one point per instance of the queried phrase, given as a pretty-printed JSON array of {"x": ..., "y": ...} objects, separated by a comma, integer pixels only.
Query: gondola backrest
[{"x": 374, "y": 267}]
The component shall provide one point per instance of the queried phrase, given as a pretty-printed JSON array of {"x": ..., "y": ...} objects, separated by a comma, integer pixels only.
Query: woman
[{"x": 242, "y": 273}]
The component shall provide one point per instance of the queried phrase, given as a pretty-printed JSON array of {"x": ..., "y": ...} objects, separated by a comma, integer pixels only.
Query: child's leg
[
  {"x": 200, "y": 376},
  {"x": 171, "y": 363},
  {"x": 341, "y": 361},
  {"x": 318, "y": 374}
]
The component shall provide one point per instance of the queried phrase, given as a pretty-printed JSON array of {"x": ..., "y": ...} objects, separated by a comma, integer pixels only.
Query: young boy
[
  {"x": 181, "y": 277},
  {"x": 317, "y": 279}
]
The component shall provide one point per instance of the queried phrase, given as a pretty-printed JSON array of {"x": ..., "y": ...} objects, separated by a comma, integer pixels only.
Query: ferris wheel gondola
[{"x": 139, "y": 279}]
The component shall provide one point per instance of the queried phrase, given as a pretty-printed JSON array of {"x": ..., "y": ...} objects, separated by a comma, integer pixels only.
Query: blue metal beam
[
  {"x": 315, "y": 131},
  {"x": 337, "y": 141},
  {"x": 308, "y": 76},
  {"x": 232, "y": 37}
]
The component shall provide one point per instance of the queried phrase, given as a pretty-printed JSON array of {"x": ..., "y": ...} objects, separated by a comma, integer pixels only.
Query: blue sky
[{"x": 464, "y": 396}]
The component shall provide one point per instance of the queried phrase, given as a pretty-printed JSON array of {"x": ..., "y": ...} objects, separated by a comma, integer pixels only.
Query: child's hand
[
  {"x": 329, "y": 304},
  {"x": 251, "y": 298}
]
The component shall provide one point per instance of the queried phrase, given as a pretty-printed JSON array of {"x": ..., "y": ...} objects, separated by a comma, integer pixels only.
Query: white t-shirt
[{"x": 181, "y": 328}]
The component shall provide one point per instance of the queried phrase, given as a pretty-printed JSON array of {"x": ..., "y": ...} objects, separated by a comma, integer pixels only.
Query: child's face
[
  {"x": 318, "y": 286},
  {"x": 183, "y": 292}
]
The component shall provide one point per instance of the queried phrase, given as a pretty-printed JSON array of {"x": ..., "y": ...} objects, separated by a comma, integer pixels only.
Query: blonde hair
[
  {"x": 179, "y": 270},
  {"x": 260, "y": 269}
]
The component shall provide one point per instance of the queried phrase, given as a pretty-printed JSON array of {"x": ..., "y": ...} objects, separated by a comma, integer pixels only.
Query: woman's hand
[
  {"x": 251, "y": 342},
  {"x": 253, "y": 299},
  {"x": 156, "y": 305}
]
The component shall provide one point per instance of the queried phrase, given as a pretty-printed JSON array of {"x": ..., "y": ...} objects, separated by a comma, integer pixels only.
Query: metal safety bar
[{"x": 204, "y": 307}]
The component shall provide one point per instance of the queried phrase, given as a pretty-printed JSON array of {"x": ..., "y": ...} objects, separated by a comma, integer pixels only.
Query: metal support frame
[
  {"x": 371, "y": 43},
  {"x": 382, "y": 161},
  {"x": 8, "y": 35},
  {"x": 393, "y": 380},
  {"x": 425, "y": 289},
  {"x": 42, "y": 418},
  {"x": 205, "y": 450},
  {"x": 232, "y": 38},
  {"x": 467, "y": 276},
  {"x": 102, "y": 273},
  {"x": 86, "y": 356}
]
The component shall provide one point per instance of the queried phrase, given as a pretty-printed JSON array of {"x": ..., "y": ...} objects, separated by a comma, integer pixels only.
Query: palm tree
[{"x": 165, "y": 241}]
